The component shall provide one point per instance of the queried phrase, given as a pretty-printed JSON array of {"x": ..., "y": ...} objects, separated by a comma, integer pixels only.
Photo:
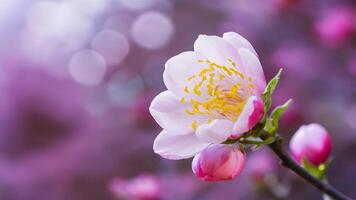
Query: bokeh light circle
[
  {"x": 152, "y": 30},
  {"x": 112, "y": 45},
  {"x": 56, "y": 20},
  {"x": 87, "y": 67},
  {"x": 137, "y": 4}
]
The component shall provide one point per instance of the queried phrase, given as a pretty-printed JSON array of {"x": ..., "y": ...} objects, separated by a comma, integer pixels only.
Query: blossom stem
[{"x": 288, "y": 162}]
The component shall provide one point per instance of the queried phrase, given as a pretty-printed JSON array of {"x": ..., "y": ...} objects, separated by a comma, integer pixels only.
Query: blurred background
[{"x": 77, "y": 77}]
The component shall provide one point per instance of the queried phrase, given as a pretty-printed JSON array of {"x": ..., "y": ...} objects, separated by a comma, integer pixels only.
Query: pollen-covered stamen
[{"x": 223, "y": 89}]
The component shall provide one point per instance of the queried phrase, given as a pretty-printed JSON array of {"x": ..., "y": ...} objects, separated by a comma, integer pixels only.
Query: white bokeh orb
[
  {"x": 112, "y": 45},
  {"x": 137, "y": 4},
  {"x": 87, "y": 67},
  {"x": 152, "y": 30},
  {"x": 60, "y": 21}
]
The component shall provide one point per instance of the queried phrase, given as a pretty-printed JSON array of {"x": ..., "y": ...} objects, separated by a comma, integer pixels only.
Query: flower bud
[
  {"x": 311, "y": 142},
  {"x": 218, "y": 162}
]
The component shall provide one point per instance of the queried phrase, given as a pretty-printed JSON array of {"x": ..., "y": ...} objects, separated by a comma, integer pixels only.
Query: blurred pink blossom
[
  {"x": 260, "y": 164},
  {"x": 218, "y": 162},
  {"x": 299, "y": 59},
  {"x": 311, "y": 142},
  {"x": 336, "y": 26},
  {"x": 142, "y": 187}
]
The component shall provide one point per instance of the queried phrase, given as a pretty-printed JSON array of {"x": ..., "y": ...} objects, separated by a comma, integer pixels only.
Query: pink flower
[
  {"x": 260, "y": 164},
  {"x": 142, "y": 187},
  {"x": 213, "y": 94},
  {"x": 218, "y": 162},
  {"x": 311, "y": 142},
  {"x": 336, "y": 26}
]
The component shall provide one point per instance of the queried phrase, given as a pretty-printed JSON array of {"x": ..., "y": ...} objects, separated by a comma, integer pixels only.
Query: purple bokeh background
[{"x": 77, "y": 77}]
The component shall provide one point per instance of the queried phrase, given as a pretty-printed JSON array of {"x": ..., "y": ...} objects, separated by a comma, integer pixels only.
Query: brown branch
[{"x": 288, "y": 162}]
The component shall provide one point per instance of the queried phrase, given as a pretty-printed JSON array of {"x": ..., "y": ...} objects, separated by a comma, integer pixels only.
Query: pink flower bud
[
  {"x": 311, "y": 142},
  {"x": 218, "y": 162}
]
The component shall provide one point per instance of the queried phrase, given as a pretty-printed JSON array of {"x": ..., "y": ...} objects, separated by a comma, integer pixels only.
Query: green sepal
[
  {"x": 271, "y": 86},
  {"x": 272, "y": 122},
  {"x": 317, "y": 171},
  {"x": 257, "y": 141},
  {"x": 230, "y": 141}
]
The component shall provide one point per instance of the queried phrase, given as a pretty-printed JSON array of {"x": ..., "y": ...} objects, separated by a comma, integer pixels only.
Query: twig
[{"x": 288, "y": 162}]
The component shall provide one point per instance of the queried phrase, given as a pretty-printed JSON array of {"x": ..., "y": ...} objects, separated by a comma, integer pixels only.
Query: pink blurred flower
[
  {"x": 311, "y": 142},
  {"x": 218, "y": 162},
  {"x": 261, "y": 163},
  {"x": 336, "y": 26},
  {"x": 142, "y": 187},
  {"x": 213, "y": 94},
  {"x": 299, "y": 59}
]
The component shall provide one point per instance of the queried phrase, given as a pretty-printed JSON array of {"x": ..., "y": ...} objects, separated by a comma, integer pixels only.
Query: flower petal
[
  {"x": 237, "y": 41},
  {"x": 176, "y": 147},
  {"x": 249, "y": 116},
  {"x": 177, "y": 71},
  {"x": 215, "y": 132},
  {"x": 242, "y": 59},
  {"x": 170, "y": 114},
  {"x": 215, "y": 49},
  {"x": 252, "y": 68}
]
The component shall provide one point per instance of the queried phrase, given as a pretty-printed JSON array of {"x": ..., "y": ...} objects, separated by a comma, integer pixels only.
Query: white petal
[
  {"x": 222, "y": 52},
  {"x": 215, "y": 132},
  {"x": 249, "y": 116},
  {"x": 237, "y": 41},
  {"x": 252, "y": 68},
  {"x": 177, "y": 71},
  {"x": 176, "y": 147},
  {"x": 251, "y": 65},
  {"x": 170, "y": 114},
  {"x": 215, "y": 49}
]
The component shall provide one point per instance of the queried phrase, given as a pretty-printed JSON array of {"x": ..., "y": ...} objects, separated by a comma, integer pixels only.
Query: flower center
[{"x": 221, "y": 91}]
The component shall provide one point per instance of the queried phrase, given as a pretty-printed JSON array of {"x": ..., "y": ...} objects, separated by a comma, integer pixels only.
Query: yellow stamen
[
  {"x": 182, "y": 100},
  {"x": 221, "y": 102},
  {"x": 191, "y": 77},
  {"x": 186, "y": 90},
  {"x": 194, "y": 125}
]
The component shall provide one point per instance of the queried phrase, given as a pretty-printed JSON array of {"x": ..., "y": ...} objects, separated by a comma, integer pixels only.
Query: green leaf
[
  {"x": 272, "y": 122},
  {"x": 271, "y": 86}
]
